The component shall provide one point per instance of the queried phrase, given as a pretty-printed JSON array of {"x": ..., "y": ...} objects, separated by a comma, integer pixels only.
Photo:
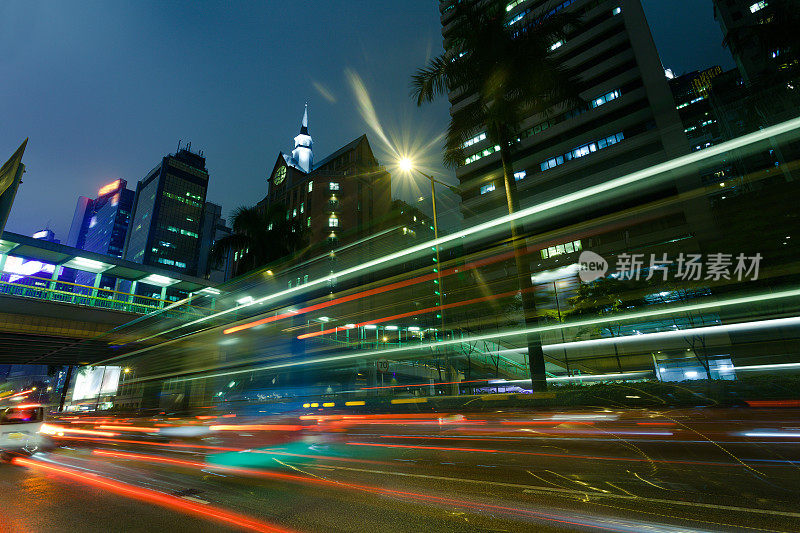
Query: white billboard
[{"x": 93, "y": 381}]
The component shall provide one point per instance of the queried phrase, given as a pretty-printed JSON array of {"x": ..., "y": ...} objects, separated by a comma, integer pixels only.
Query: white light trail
[{"x": 661, "y": 169}]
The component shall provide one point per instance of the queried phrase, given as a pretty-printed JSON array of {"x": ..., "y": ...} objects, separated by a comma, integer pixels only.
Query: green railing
[{"x": 83, "y": 295}]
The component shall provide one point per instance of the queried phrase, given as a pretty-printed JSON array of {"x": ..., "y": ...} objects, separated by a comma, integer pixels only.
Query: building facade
[
  {"x": 101, "y": 224},
  {"x": 168, "y": 214},
  {"x": 628, "y": 122},
  {"x": 337, "y": 199},
  {"x": 214, "y": 227}
]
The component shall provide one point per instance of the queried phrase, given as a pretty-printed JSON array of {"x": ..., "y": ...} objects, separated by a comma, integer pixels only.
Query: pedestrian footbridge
[{"x": 54, "y": 296}]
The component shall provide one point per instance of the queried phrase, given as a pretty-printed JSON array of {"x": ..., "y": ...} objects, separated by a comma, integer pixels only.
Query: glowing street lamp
[{"x": 405, "y": 164}]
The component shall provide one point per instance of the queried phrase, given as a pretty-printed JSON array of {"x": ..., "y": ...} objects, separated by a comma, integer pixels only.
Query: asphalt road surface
[{"x": 631, "y": 471}]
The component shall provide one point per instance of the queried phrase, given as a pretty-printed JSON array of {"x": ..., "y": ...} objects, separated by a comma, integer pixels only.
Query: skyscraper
[
  {"x": 168, "y": 213},
  {"x": 101, "y": 224},
  {"x": 213, "y": 229},
  {"x": 628, "y": 120}
]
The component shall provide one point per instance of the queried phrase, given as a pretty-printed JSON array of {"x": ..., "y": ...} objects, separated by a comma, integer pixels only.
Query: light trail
[
  {"x": 555, "y": 455},
  {"x": 660, "y": 171},
  {"x": 370, "y": 292},
  {"x": 133, "y": 429},
  {"x": 420, "y": 312},
  {"x": 151, "y": 496},
  {"x": 415, "y": 496},
  {"x": 183, "y": 446},
  {"x": 256, "y": 427},
  {"x": 780, "y": 322},
  {"x": 52, "y": 429}
]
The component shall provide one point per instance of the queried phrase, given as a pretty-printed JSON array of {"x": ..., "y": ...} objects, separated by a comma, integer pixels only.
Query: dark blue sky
[{"x": 105, "y": 89}]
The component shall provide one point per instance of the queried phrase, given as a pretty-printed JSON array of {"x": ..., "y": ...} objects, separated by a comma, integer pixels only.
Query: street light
[{"x": 407, "y": 165}]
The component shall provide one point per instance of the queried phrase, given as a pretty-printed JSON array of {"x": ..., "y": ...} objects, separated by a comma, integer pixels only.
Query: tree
[
  {"x": 507, "y": 73},
  {"x": 259, "y": 237}
]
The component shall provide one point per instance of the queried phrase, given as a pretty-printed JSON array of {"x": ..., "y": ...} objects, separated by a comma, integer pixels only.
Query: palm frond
[{"x": 430, "y": 81}]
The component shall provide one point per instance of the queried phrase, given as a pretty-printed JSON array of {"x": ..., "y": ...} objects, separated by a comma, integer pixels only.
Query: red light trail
[
  {"x": 370, "y": 292},
  {"x": 152, "y": 496},
  {"x": 363, "y": 488}
]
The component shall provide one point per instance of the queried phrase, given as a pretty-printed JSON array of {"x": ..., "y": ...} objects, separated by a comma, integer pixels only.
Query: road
[{"x": 602, "y": 470}]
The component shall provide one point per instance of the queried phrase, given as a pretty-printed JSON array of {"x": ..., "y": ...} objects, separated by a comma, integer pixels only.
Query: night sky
[{"x": 105, "y": 89}]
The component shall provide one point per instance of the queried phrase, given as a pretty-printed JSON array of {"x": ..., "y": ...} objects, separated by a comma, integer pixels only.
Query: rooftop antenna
[
  {"x": 189, "y": 146},
  {"x": 179, "y": 145}
]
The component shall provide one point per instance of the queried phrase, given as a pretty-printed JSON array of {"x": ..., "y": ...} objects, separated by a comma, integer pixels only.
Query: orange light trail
[
  {"x": 51, "y": 429},
  {"x": 418, "y": 312},
  {"x": 219, "y": 449},
  {"x": 134, "y": 429},
  {"x": 152, "y": 496},
  {"x": 145, "y": 443},
  {"x": 363, "y": 488},
  {"x": 544, "y": 422},
  {"x": 255, "y": 427},
  {"x": 370, "y": 292}
]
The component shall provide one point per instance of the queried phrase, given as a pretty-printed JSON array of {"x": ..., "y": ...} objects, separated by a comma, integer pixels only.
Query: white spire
[{"x": 302, "y": 154}]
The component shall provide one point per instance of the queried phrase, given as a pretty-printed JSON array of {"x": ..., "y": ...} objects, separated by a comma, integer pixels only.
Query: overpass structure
[{"x": 56, "y": 300}]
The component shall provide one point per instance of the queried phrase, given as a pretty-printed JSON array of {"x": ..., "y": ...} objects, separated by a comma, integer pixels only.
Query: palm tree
[
  {"x": 259, "y": 237},
  {"x": 507, "y": 73}
]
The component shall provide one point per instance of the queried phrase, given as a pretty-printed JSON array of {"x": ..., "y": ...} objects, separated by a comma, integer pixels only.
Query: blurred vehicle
[{"x": 21, "y": 431}]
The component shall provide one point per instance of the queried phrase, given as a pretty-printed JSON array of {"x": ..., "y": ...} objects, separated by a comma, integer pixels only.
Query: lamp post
[{"x": 407, "y": 165}]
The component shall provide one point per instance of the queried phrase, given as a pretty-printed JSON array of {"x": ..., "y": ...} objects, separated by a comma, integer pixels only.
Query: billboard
[{"x": 94, "y": 381}]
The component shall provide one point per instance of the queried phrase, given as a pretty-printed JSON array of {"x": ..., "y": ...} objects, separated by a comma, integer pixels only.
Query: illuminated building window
[
  {"x": 559, "y": 249},
  {"x": 333, "y": 222},
  {"x": 183, "y": 231},
  {"x": 582, "y": 151},
  {"x": 520, "y": 175},
  {"x": 685, "y": 104},
  {"x": 308, "y": 222},
  {"x": 310, "y": 186},
  {"x": 170, "y": 262},
  {"x": 616, "y": 11},
  {"x": 556, "y": 45},
  {"x": 542, "y": 126},
  {"x": 294, "y": 212},
  {"x": 489, "y": 187},
  {"x": 480, "y": 155},
  {"x": 302, "y": 207},
  {"x": 183, "y": 200},
  {"x": 758, "y": 6},
  {"x": 476, "y": 139},
  {"x": 513, "y": 4},
  {"x": 600, "y": 100},
  {"x": 333, "y": 186}
]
